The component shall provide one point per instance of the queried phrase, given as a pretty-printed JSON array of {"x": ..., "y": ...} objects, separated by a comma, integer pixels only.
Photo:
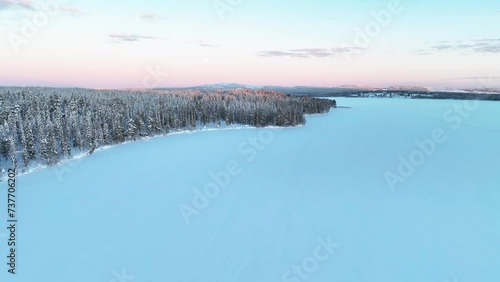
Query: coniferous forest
[{"x": 47, "y": 125}]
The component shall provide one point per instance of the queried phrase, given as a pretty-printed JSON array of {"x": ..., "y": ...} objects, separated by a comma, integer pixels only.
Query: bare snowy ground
[{"x": 370, "y": 193}]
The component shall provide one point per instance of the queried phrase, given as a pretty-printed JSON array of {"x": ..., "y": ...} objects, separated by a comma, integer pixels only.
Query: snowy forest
[{"x": 46, "y": 125}]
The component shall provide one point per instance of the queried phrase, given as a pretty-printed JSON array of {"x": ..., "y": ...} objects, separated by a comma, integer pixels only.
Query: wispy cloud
[
  {"x": 28, "y": 5},
  {"x": 118, "y": 38},
  {"x": 486, "y": 45},
  {"x": 202, "y": 43},
  {"x": 7, "y": 4},
  {"x": 443, "y": 47},
  {"x": 71, "y": 11},
  {"x": 152, "y": 17},
  {"x": 309, "y": 52},
  {"x": 477, "y": 78},
  {"x": 422, "y": 52},
  {"x": 487, "y": 40}
]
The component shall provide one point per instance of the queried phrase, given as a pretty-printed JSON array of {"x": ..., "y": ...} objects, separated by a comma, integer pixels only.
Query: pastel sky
[{"x": 125, "y": 43}]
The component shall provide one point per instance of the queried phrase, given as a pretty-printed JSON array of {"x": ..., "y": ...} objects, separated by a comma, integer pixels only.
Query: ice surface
[{"x": 114, "y": 216}]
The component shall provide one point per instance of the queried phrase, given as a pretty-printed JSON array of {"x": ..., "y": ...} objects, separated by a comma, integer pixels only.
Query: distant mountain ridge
[{"x": 341, "y": 91}]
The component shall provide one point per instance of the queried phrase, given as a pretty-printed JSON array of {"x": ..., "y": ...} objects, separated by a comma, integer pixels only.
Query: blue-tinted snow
[{"x": 114, "y": 216}]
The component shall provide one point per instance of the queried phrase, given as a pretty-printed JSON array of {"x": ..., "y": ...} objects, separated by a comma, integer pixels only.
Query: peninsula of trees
[{"x": 47, "y": 125}]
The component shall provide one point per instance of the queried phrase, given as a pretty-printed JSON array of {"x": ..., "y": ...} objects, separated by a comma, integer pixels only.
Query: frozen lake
[{"x": 389, "y": 190}]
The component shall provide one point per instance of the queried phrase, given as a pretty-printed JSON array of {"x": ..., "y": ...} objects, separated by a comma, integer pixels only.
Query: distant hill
[
  {"x": 295, "y": 90},
  {"x": 414, "y": 92}
]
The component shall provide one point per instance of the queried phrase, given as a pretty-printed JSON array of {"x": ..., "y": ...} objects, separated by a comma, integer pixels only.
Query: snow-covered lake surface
[{"x": 321, "y": 202}]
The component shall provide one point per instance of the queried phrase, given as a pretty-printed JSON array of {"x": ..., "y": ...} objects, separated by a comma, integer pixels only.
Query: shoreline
[{"x": 80, "y": 155}]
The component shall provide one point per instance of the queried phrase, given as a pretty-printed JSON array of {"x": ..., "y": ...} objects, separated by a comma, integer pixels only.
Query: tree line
[
  {"x": 47, "y": 125},
  {"x": 412, "y": 94}
]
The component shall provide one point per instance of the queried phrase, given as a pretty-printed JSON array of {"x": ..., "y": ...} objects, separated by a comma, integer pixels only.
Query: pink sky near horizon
[{"x": 86, "y": 46}]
